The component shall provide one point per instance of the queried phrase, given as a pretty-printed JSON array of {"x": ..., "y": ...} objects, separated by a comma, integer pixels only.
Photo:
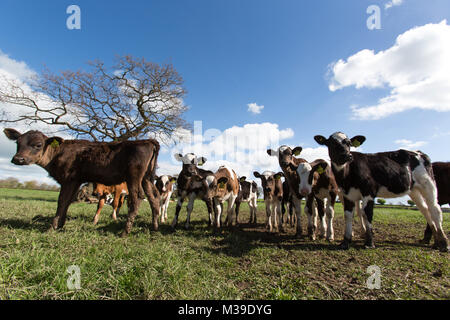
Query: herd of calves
[{"x": 128, "y": 167}]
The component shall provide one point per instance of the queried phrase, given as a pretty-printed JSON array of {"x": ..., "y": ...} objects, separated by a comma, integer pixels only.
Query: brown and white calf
[
  {"x": 224, "y": 187},
  {"x": 362, "y": 176},
  {"x": 73, "y": 162},
  {"x": 273, "y": 194},
  {"x": 164, "y": 184},
  {"x": 286, "y": 158},
  {"x": 317, "y": 179},
  {"x": 248, "y": 192},
  {"x": 441, "y": 172},
  {"x": 102, "y": 192},
  {"x": 192, "y": 183}
]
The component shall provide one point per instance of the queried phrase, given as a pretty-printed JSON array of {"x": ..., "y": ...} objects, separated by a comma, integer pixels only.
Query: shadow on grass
[
  {"x": 38, "y": 223},
  {"x": 28, "y": 198}
]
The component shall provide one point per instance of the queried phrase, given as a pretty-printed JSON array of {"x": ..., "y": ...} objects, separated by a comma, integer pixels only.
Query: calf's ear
[
  {"x": 256, "y": 174},
  {"x": 178, "y": 156},
  {"x": 320, "y": 167},
  {"x": 357, "y": 141},
  {"x": 272, "y": 153},
  {"x": 12, "y": 134},
  {"x": 242, "y": 179},
  {"x": 201, "y": 161},
  {"x": 54, "y": 142},
  {"x": 321, "y": 140},
  {"x": 172, "y": 179},
  {"x": 222, "y": 182},
  {"x": 279, "y": 175},
  {"x": 297, "y": 151}
]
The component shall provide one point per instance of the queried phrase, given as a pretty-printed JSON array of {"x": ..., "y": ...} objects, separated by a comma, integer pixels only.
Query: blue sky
[{"x": 236, "y": 52}]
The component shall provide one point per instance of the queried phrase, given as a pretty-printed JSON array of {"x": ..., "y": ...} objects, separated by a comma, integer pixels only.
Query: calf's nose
[
  {"x": 304, "y": 192},
  {"x": 18, "y": 160}
]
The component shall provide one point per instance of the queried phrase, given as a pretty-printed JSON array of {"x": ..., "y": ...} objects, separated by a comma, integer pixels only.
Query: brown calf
[
  {"x": 164, "y": 184},
  {"x": 226, "y": 189},
  {"x": 286, "y": 157},
  {"x": 73, "y": 162},
  {"x": 273, "y": 194},
  {"x": 101, "y": 191}
]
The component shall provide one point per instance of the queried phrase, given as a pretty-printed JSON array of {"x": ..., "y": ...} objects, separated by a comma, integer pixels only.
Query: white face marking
[
  {"x": 267, "y": 174},
  {"x": 188, "y": 158},
  {"x": 164, "y": 180},
  {"x": 282, "y": 148},
  {"x": 303, "y": 171},
  {"x": 339, "y": 136},
  {"x": 209, "y": 180}
]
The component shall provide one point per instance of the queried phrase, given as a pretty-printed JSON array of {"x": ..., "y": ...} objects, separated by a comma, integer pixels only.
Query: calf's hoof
[
  {"x": 299, "y": 235},
  {"x": 345, "y": 244},
  {"x": 442, "y": 246},
  {"x": 424, "y": 241}
]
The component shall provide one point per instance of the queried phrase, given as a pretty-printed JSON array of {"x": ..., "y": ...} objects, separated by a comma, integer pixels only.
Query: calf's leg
[
  {"x": 154, "y": 199},
  {"x": 67, "y": 193},
  {"x": 348, "y": 214},
  {"x": 101, "y": 203},
  {"x": 298, "y": 211}
]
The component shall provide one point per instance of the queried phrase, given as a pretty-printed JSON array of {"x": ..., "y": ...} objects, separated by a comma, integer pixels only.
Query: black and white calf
[
  {"x": 392, "y": 174},
  {"x": 288, "y": 161},
  {"x": 164, "y": 184},
  {"x": 273, "y": 194},
  {"x": 248, "y": 192},
  {"x": 317, "y": 182},
  {"x": 191, "y": 184},
  {"x": 441, "y": 172}
]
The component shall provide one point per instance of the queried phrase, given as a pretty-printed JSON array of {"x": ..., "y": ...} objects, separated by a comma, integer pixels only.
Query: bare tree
[{"x": 132, "y": 99}]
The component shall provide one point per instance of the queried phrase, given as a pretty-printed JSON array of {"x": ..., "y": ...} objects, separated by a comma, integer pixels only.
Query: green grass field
[{"x": 244, "y": 262}]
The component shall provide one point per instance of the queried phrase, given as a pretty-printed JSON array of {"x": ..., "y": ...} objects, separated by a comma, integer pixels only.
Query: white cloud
[
  {"x": 410, "y": 145},
  {"x": 243, "y": 148},
  {"x": 392, "y": 3},
  {"x": 254, "y": 108},
  {"x": 416, "y": 69}
]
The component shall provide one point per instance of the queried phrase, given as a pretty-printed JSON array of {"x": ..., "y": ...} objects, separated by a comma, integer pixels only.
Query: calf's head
[
  {"x": 285, "y": 155},
  {"x": 31, "y": 146},
  {"x": 190, "y": 162},
  {"x": 269, "y": 181},
  {"x": 308, "y": 175},
  {"x": 100, "y": 190},
  {"x": 339, "y": 146},
  {"x": 210, "y": 185},
  {"x": 164, "y": 183}
]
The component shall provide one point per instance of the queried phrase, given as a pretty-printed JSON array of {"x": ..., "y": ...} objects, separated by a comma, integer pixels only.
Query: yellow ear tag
[
  {"x": 277, "y": 177},
  {"x": 356, "y": 144},
  {"x": 173, "y": 180},
  {"x": 200, "y": 163},
  {"x": 297, "y": 153},
  {"x": 320, "y": 170},
  {"x": 54, "y": 144},
  {"x": 221, "y": 185}
]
